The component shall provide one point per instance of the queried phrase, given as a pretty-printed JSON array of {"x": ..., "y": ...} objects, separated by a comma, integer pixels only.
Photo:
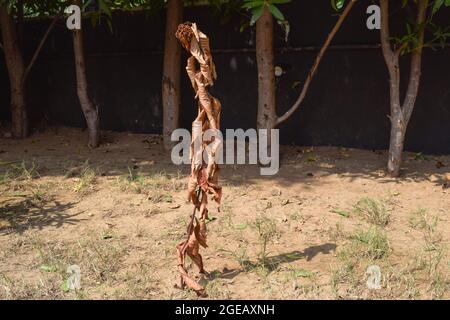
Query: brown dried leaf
[
  {"x": 204, "y": 176},
  {"x": 201, "y": 237}
]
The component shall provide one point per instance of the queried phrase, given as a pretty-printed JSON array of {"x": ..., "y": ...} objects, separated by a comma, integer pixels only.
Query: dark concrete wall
[{"x": 347, "y": 105}]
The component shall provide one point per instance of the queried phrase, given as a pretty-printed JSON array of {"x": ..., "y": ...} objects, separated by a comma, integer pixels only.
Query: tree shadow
[
  {"x": 272, "y": 263},
  {"x": 306, "y": 166},
  {"x": 24, "y": 215}
]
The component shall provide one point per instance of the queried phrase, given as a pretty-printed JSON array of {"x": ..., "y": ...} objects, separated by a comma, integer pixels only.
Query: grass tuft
[{"x": 374, "y": 211}]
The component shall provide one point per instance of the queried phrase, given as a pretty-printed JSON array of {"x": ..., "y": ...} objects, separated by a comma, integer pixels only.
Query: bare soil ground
[{"x": 309, "y": 232}]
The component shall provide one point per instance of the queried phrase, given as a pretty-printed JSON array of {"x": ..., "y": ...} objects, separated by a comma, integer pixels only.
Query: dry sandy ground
[{"x": 118, "y": 212}]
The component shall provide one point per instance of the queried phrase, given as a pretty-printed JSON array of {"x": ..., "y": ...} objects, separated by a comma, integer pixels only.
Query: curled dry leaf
[{"x": 204, "y": 177}]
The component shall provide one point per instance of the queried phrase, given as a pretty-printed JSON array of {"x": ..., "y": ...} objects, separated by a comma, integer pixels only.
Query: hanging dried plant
[{"x": 204, "y": 177}]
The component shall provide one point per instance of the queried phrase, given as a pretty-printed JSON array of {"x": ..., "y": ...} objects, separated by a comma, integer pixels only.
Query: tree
[
  {"x": 413, "y": 43},
  {"x": 267, "y": 116},
  {"x": 171, "y": 72},
  {"x": 16, "y": 71},
  {"x": 11, "y": 15},
  {"x": 263, "y": 12},
  {"x": 98, "y": 10},
  {"x": 90, "y": 110}
]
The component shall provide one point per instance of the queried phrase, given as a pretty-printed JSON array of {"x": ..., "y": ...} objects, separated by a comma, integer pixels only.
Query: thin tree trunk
[
  {"x": 90, "y": 111},
  {"x": 396, "y": 142},
  {"x": 16, "y": 69},
  {"x": 401, "y": 113},
  {"x": 171, "y": 72},
  {"x": 12, "y": 34},
  {"x": 267, "y": 117}
]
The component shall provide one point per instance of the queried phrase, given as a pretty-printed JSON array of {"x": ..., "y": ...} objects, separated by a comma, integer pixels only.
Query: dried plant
[{"x": 203, "y": 180}]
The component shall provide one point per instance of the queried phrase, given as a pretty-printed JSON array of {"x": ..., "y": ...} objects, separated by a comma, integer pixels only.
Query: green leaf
[
  {"x": 337, "y": 4},
  {"x": 343, "y": 213},
  {"x": 253, "y": 4},
  {"x": 283, "y": 1},
  {"x": 104, "y": 8},
  {"x": 242, "y": 226},
  {"x": 256, "y": 14},
  {"x": 293, "y": 256},
  {"x": 210, "y": 219},
  {"x": 107, "y": 236},
  {"x": 86, "y": 4},
  {"x": 437, "y": 5},
  {"x": 276, "y": 13},
  {"x": 65, "y": 286},
  {"x": 48, "y": 268},
  {"x": 303, "y": 273}
]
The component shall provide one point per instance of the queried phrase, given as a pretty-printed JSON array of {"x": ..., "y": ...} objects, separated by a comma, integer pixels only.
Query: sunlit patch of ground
[{"x": 309, "y": 232}]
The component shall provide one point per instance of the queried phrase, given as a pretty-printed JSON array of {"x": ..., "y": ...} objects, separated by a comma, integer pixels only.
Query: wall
[{"x": 347, "y": 104}]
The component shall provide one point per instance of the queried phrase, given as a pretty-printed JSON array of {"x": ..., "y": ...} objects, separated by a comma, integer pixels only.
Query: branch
[
  {"x": 416, "y": 62},
  {"x": 391, "y": 58},
  {"x": 316, "y": 64},
  {"x": 400, "y": 49},
  {"x": 40, "y": 46}
]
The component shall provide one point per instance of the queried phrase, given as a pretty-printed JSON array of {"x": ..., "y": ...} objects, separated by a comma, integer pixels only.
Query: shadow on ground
[
  {"x": 273, "y": 262},
  {"x": 24, "y": 215},
  {"x": 55, "y": 156}
]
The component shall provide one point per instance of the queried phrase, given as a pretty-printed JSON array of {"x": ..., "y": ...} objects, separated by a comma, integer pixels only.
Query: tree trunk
[
  {"x": 401, "y": 113},
  {"x": 267, "y": 117},
  {"x": 171, "y": 72},
  {"x": 90, "y": 111},
  {"x": 16, "y": 70},
  {"x": 396, "y": 144}
]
